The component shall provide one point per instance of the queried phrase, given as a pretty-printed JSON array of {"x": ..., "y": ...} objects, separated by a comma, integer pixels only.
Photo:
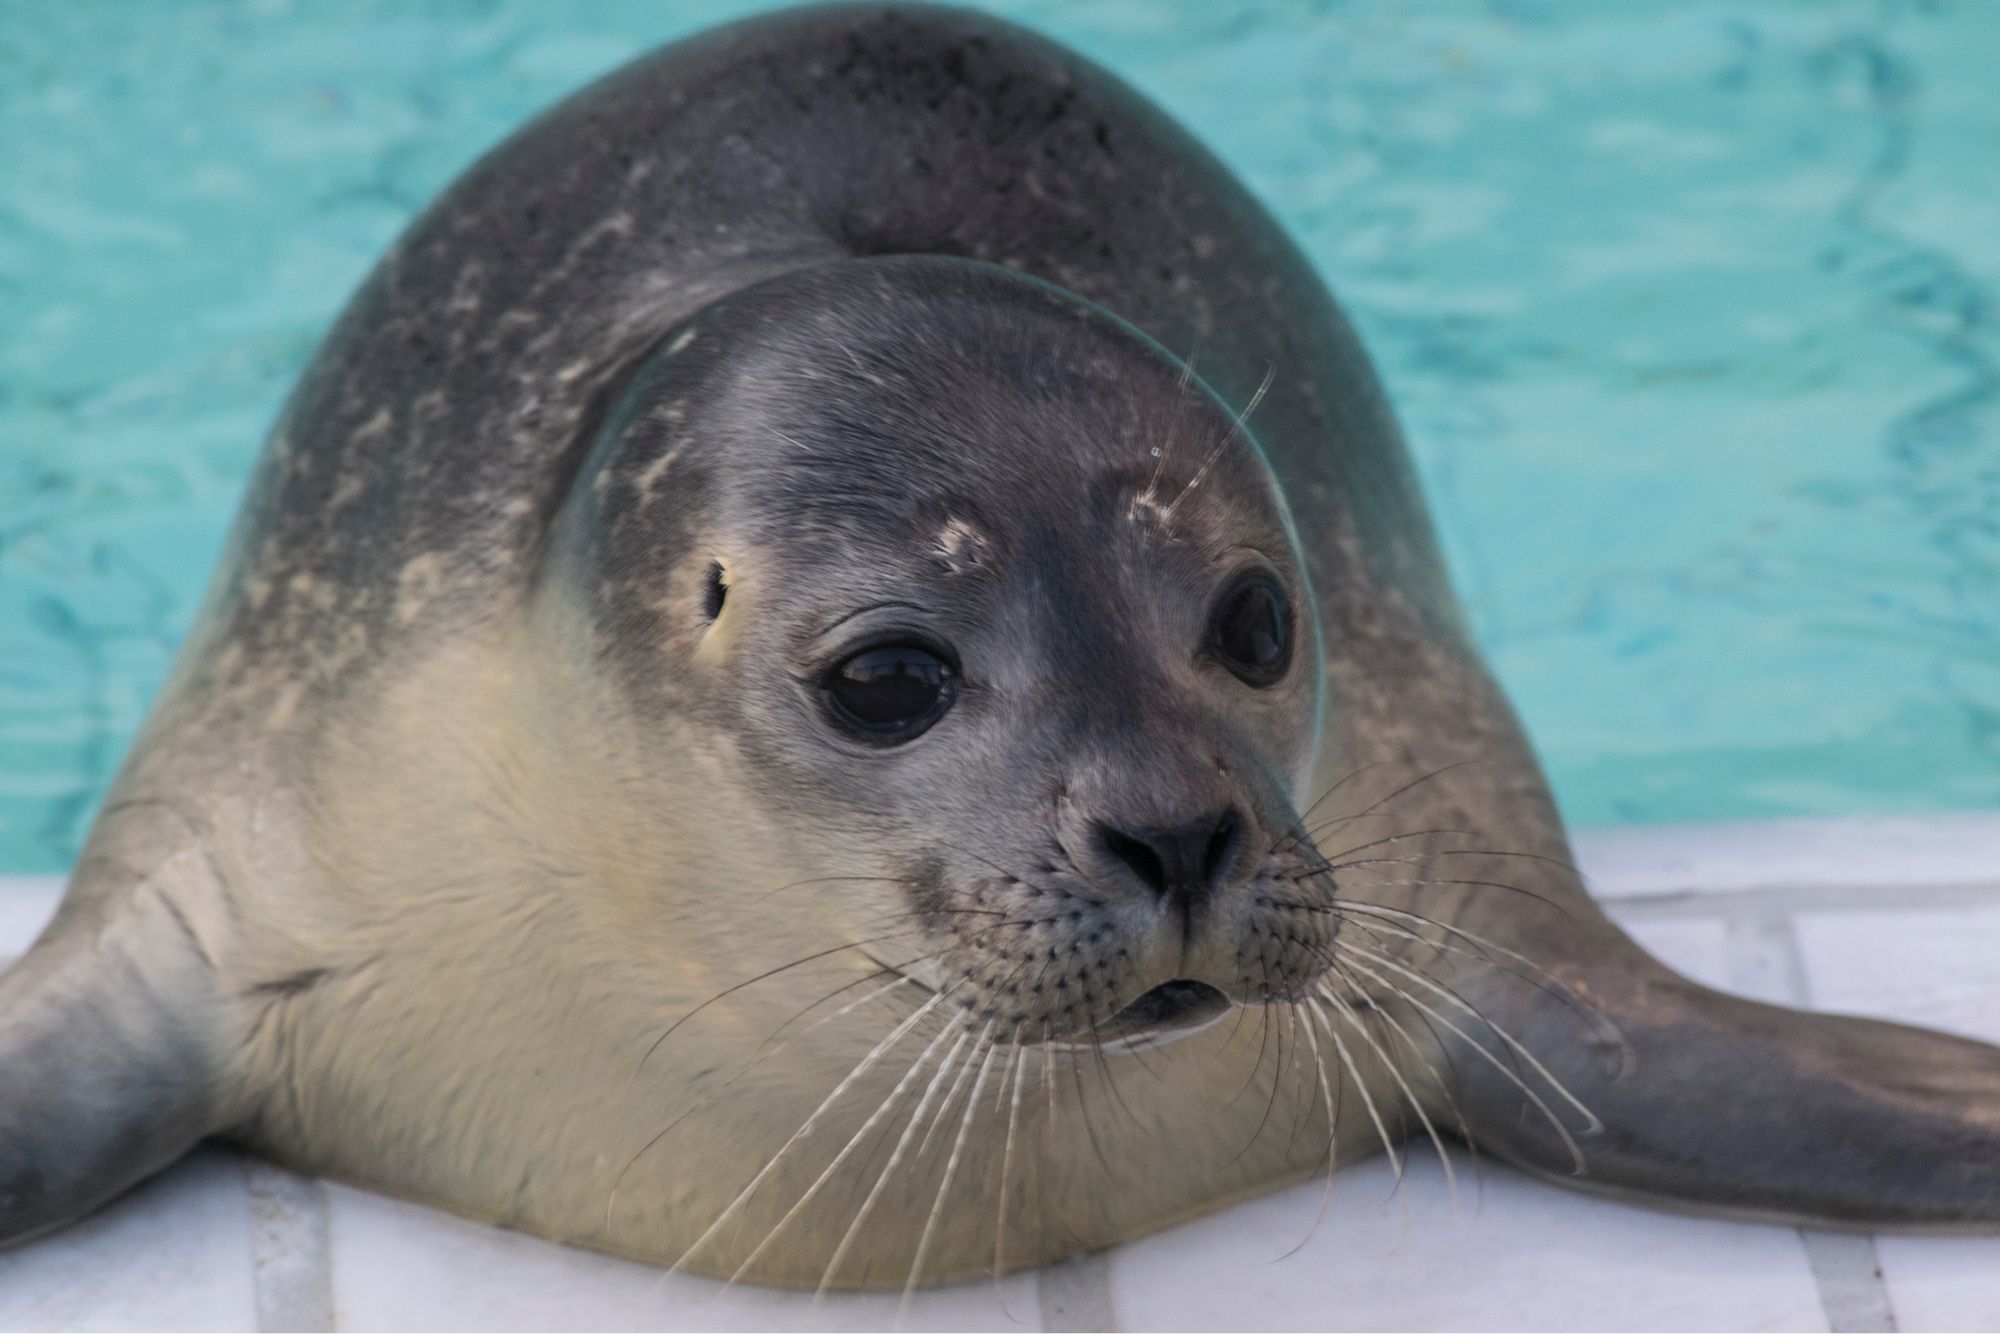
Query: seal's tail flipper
[
  {"x": 1726, "y": 1103},
  {"x": 108, "y": 1068}
]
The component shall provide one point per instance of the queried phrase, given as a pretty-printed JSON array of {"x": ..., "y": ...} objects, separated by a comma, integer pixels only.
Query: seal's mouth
[{"x": 1171, "y": 1006}]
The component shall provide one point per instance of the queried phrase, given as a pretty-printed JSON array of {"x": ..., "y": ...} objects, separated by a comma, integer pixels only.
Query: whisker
[
  {"x": 1593, "y": 1125},
  {"x": 1106, "y": 1073},
  {"x": 1380, "y": 802},
  {"x": 1367, "y": 1098},
  {"x": 1263, "y": 1040},
  {"x": 806, "y": 1128},
  {"x": 950, "y": 1171},
  {"x": 1403, "y": 837},
  {"x": 862, "y": 981},
  {"x": 1388, "y": 934},
  {"x": 1347, "y": 1061},
  {"x": 1006, "y": 874},
  {"x": 1300, "y": 1114},
  {"x": 972, "y": 938},
  {"x": 1346, "y": 1012},
  {"x": 1482, "y": 950},
  {"x": 717, "y": 1092},
  {"x": 1332, "y": 1143},
  {"x": 830, "y": 880},
  {"x": 951, "y": 1095},
  {"x": 1417, "y": 1049},
  {"x": 1049, "y": 1159},
  {"x": 1332, "y": 788},
  {"x": 768, "y": 973},
  {"x": 1229, "y": 1042},
  {"x": 1201, "y": 474},
  {"x": 1049, "y": 1075},
  {"x": 1436, "y": 984},
  {"x": 1013, "y": 1040},
  {"x": 1344, "y": 904},
  {"x": 894, "y": 1097},
  {"x": 1083, "y": 1114},
  {"x": 1173, "y": 430},
  {"x": 1015, "y": 1070},
  {"x": 1557, "y": 862},
  {"x": 1278, "y": 1073},
  {"x": 1538, "y": 896},
  {"x": 1270, "y": 1102},
  {"x": 889, "y": 1168}
]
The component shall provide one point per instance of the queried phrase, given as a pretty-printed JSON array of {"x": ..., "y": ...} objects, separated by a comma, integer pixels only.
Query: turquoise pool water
[{"x": 1687, "y": 307}]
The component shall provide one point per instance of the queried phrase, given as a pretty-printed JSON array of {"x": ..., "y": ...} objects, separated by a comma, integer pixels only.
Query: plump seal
[{"x": 836, "y": 674}]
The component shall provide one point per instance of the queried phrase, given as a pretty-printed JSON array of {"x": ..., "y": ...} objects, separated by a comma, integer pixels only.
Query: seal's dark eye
[
  {"x": 890, "y": 693},
  {"x": 1252, "y": 630}
]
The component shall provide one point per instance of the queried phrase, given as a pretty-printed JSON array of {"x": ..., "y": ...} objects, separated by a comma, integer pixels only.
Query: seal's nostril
[
  {"x": 1136, "y": 854},
  {"x": 1188, "y": 860},
  {"x": 1221, "y": 850}
]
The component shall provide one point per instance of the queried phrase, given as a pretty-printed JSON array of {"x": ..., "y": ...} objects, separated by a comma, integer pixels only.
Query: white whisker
[
  {"x": 1201, "y": 473},
  {"x": 1332, "y": 1144},
  {"x": 1578, "y": 1003},
  {"x": 714, "y": 1093},
  {"x": 1367, "y": 1098},
  {"x": 1541, "y": 1104},
  {"x": 806, "y": 1128},
  {"x": 1416, "y": 1048},
  {"x": 950, "y": 1171},
  {"x": 1592, "y": 1125},
  {"x": 875, "y": 1118},
  {"x": 1346, "y": 1011},
  {"x": 1016, "y": 1069},
  {"x": 1367, "y": 1101},
  {"x": 889, "y": 1168}
]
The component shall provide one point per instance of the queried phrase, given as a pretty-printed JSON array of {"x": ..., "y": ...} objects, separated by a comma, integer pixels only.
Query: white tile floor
[{"x": 1899, "y": 918}]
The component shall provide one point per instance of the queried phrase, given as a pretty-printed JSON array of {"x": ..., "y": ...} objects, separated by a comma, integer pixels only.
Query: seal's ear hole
[{"x": 714, "y": 591}]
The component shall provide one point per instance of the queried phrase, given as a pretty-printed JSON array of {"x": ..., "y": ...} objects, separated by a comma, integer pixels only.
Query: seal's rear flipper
[
  {"x": 1725, "y": 1103},
  {"x": 108, "y": 1068}
]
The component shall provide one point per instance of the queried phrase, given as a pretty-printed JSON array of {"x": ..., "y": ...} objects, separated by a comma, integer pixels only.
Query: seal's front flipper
[
  {"x": 108, "y": 1061},
  {"x": 1725, "y": 1103}
]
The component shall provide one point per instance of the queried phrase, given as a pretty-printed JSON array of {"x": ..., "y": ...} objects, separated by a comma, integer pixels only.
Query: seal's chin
[{"x": 1176, "y": 1007}]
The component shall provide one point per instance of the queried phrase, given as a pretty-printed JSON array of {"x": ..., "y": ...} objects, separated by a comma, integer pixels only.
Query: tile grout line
[
  {"x": 292, "y": 1260},
  {"x": 1765, "y": 961},
  {"x": 1848, "y": 1274},
  {"x": 1076, "y": 1295},
  {"x": 1783, "y": 899}
]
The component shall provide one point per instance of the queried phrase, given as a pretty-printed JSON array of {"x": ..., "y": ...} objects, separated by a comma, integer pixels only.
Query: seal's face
[{"x": 1041, "y": 727}]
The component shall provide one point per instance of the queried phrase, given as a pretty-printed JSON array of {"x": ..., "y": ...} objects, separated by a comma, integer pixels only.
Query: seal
[{"x": 836, "y": 674}]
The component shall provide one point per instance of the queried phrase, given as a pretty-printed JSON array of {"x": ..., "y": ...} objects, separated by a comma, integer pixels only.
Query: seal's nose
[{"x": 1182, "y": 862}]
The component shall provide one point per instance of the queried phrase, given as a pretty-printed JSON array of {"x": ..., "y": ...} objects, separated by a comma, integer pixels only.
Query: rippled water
[{"x": 1687, "y": 307}]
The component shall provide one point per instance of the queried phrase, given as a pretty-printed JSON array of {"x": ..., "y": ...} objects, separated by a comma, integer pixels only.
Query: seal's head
[{"x": 1004, "y": 610}]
